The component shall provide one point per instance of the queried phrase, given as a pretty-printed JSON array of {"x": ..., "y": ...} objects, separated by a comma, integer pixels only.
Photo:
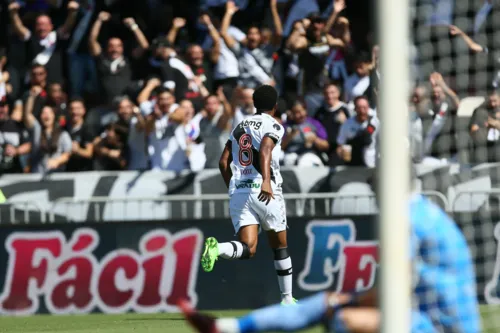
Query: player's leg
[
  {"x": 246, "y": 225},
  {"x": 309, "y": 312},
  {"x": 274, "y": 222},
  {"x": 282, "y": 264}
]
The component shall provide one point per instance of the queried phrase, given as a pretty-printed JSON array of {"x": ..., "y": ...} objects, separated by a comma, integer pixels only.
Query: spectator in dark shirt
[
  {"x": 13, "y": 141},
  {"x": 313, "y": 48},
  {"x": 110, "y": 150},
  {"x": 304, "y": 139},
  {"x": 81, "y": 148},
  {"x": 57, "y": 98},
  {"x": 113, "y": 68},
  {"x": 484, "y": 129},
  {"x": 332, "y": 114},
  {"x": 38, "y": 80},
  {"x": 81, "y": 65},
  {"x": 45, "y": 46}
]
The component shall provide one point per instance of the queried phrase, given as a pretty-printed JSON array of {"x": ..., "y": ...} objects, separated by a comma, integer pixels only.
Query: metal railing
[
  {"x": 20, "y": 212},
  {"x": 98, "y": 209},
  {"x": 210, "y": 206},
  {"x": 472, "y": 200}
]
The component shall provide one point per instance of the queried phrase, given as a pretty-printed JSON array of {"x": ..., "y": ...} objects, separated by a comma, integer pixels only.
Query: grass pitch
[{"x": 150, "y": 323}]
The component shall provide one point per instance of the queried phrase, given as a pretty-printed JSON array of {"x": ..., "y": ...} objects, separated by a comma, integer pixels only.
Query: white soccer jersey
[{"x": 245, "y": 143}]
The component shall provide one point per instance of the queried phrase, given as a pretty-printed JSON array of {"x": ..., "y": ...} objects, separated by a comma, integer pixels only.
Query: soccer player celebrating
[
  {"x": 256, "y": 199},
  {"x": 444, "y": 294}
]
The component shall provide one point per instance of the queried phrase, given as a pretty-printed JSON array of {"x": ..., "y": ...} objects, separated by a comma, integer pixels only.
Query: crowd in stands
[{"x": 139, "y": 85}]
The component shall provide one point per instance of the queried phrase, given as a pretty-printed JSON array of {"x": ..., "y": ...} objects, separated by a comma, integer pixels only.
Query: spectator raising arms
[
  {"x": 255, "y": 59},
  {"x": 45, "y": 47},
  {"x": 51, "y": 144},
  {"x": 440, "y": 141},
  {"x": 314, "y": 47},
  {"x": 162, "y": 116},
  {"x": 113, "y": 68}
]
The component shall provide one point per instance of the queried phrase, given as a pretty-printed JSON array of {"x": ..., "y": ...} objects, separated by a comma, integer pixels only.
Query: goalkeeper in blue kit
[{"x": 444, "y": 290}]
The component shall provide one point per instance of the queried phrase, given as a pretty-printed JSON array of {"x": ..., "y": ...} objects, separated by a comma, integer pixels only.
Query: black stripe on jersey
[
  {"x": 238, "y": 132},
  {"x": 273, "y": 137},
  {"x": 229, "y": 144},
  {"x": 256, "y": 163}
]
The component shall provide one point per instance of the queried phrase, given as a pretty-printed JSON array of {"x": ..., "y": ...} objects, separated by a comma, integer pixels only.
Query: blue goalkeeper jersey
[{"x": 445, "y": 298}]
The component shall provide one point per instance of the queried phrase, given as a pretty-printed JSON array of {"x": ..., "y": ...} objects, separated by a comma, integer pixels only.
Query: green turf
[{"x": 152, "y": 323}]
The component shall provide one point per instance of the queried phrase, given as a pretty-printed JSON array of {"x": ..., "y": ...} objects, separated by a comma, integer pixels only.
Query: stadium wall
[
  {"x": 147, "y": 266},
  {"x": 46, "y": 191}
]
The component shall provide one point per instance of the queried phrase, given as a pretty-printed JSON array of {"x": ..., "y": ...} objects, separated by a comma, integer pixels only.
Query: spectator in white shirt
[
  {"x": 226, "y": 70},
  {"x": 255, "y": 59},
  {"x": 163, "y": 117},
  {"x": 358, "y": 82},
  {"x": 356, "y": 142}
]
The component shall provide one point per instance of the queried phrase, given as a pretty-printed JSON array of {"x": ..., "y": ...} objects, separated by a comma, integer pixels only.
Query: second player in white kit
[{"x": 250, "y": 167}]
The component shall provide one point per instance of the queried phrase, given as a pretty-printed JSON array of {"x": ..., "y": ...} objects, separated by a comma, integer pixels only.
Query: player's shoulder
[{"x": 272, "y": 123}]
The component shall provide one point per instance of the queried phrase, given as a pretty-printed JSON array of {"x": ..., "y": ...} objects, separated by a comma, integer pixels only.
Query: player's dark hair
[{"x": 265, "y": 98}]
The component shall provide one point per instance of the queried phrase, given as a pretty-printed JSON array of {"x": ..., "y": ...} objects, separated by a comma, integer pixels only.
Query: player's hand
[{"x": 266, "y": 192}]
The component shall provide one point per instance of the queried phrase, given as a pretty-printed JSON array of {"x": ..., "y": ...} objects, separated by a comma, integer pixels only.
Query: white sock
[
  {"x": 284, "y": 271},
  {"x": 227, "y": 325},
  {"x": 230, "y": 250}
]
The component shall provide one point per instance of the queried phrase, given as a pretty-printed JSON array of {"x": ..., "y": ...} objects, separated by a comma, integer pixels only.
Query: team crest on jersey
[{"x": 277, "y": 127}]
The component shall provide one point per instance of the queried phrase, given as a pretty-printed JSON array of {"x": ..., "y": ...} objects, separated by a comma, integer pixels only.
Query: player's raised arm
[{"x": 225, "y": 163}]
